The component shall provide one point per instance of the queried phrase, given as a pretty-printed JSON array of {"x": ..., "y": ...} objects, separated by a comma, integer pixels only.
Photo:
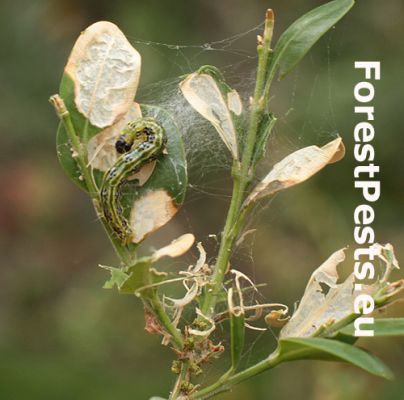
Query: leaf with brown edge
[
  {"x": 327, "y": 306},
  {"x": 296, "y": 168},
  {"x": 150, "y": 212},
  {"x": 323, "y": 300},
  {"x": 105, "y": 71},
  {"x": 176, "y": 248},
  {"x": 204, "y": 95}
]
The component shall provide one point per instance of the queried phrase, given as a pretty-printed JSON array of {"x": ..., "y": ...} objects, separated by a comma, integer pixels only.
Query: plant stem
[
  {"x": 161, "y": 314},
  {"x": 221, "y": 386},
  {"x": 241, "y": 171}
]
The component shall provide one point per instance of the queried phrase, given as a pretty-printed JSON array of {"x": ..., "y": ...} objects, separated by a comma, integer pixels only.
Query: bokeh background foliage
[{"x": 63, "y": 337}]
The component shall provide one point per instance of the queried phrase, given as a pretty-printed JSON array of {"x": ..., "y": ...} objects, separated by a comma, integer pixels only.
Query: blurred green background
[{"x": 61, "y": 335}]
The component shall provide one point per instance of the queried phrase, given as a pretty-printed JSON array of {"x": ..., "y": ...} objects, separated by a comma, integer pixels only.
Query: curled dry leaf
[
  {"x": 202, "y": 92},
  {"x": 201, "y": 262},
  {"x": 179, "y": 304},
  {"x": 235, "y": 310},
  {"x": 296, "y": 168},
  {"x": 193, "y": 281},
  {"x": 277, "y": 318},
  {"x": 190, "y": 296},
  {"x": 238, "y": 276},
  {"x": 176, "y": 248},
  {"x": 150, "y": 212},
  {"x": 105, "y": 70}
]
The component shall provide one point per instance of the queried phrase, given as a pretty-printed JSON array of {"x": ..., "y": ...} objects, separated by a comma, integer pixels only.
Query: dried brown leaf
[
  {"x": 296, "y": 168},
  {"x": 319, "y": 305},
  {"x": 325, "y": 302},
  {"x": 105, "y": 70},
  {"x": 176, "y": 248},
  {"x": 150, "y": 212}
]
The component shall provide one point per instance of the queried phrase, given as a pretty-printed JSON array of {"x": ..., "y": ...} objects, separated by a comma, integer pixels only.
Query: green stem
[
  {"x": 161, "y": 314},
  {"x": 224, "y": 385},
  {"x": 241, "y": 172}
]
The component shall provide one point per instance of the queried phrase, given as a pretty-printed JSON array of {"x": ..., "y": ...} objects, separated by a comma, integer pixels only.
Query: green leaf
[
  {"x": 331, "y": 350},
  {"x": 297, "y": 40},
  {"x": 381, "y": 327},
  {"x": 139, "y": 275},
  {"x": 237, "y": 336},
  {"x": 118, "y": 277},
  {"x": 66, "y": 160}
]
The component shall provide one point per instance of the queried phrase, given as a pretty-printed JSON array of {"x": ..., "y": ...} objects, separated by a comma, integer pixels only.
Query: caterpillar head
[{"x": 122, "y": 146}]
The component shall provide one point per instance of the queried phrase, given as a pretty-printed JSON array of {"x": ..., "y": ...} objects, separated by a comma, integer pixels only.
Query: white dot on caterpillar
[{"x": 81, "y": 178}]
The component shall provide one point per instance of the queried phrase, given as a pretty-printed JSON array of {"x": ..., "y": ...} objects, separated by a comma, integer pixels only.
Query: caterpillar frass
[{"x": 142, "y": 141}]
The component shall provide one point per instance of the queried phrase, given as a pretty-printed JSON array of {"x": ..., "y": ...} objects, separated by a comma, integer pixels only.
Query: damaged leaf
[
  {"x": 323, "y": 301},
  {"x": 150, "y": 212},
  {"x": 204, "y": 95},
  {"x": 326, "y": 304},
  {"x": 234, "y": 102},
  {"x": 101, "y": 147},
  {"x": 140, "y": 276},
  {"x": 176, "y": 248},
  {"x": 296, "y": 168},
  {"x": 98, "y": 87},
  {"x": 105, "y": 71}
]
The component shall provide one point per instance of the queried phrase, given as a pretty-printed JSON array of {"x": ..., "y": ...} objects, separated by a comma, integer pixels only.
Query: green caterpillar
[{"x": 142, "y": 141}]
